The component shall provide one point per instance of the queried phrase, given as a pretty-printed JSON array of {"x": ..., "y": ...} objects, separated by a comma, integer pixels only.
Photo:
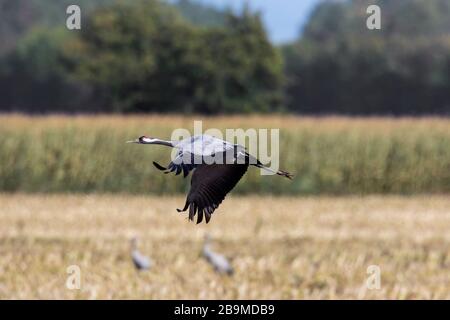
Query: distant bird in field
[
  {"x": 140, "y": 261},
  {"x": 219, "y": 262},
  {"x": 218, "y": 164}
]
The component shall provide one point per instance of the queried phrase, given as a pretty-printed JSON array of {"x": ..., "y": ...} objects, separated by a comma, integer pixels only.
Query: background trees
[
  {"x": 145, "y": 57},
  {"x": 339, "y": 66},
  {"x": 151, "y": 56}
]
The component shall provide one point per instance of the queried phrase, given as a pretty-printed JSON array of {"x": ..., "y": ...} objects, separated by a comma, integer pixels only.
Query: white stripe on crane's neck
[{"x": 157, "y": 141}]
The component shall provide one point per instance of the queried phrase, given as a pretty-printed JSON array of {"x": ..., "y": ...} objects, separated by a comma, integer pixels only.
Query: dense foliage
[
  {"x": 181, "y": 56},
  {"x": 144, "y": 56},
  {"x": 340, "y": 66}
]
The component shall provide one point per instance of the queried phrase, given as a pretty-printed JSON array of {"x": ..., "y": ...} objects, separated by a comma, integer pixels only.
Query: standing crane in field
[
  {"x": 140, "y": 261},
  {"x": 218, "y": 165},
  {"x": 219, "y": 262}
]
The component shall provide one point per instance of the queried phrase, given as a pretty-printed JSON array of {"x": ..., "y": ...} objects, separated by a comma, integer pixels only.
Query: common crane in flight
[{"x": 217, "y": 167}]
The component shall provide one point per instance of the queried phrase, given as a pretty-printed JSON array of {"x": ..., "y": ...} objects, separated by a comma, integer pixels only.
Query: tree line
[{"x": 152, "y": 56}]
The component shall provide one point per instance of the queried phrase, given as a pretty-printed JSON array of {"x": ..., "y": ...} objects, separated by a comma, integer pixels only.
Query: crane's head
[{"x": 143, "y": 140}]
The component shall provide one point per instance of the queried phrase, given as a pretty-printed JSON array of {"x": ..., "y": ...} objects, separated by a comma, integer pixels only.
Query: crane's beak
[{"x": 133, "y": 141}]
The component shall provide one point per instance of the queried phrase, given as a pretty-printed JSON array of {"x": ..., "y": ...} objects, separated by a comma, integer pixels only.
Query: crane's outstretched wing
[{"x": 209, "y": 186}]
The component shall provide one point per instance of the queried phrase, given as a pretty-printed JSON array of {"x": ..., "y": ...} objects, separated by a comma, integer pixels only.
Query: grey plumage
[
  {"x": 217, "y": 167},
  {"x": 140, "y": 261},
  {"x": 219, "y": 262}
]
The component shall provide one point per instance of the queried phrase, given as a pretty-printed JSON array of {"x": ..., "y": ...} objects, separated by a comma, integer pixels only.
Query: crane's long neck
[
  {"x": 167, "y": 143},
  {"x": 133, "y": 243},
  {"x": 206, "y": 251},
  {"x": 207, "y": 246}
]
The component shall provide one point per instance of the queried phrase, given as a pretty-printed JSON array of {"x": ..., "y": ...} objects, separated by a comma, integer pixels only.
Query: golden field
[{"x": 281, "y": 247}]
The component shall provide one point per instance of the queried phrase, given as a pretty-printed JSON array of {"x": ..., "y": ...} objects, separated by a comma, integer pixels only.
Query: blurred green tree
[
  {"x": 200, "y": 14},
  {"x": 34, "y": 78},
  {"x": 339, "y": 66},
  {"x": 146, "y": 57},
  {"x": 132, "y": 56}
]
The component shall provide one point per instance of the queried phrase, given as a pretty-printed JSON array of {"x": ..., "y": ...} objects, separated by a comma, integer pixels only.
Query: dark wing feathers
[
  {"x": 158, "y": 166},
  {"x": 209, "y": 186},
  {"x": 210, "y": 183},
  {"x": 178, "y": 168}
]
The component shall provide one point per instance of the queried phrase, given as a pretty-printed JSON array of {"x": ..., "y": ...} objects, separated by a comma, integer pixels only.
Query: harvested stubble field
[{"x": 281, "y": 247}]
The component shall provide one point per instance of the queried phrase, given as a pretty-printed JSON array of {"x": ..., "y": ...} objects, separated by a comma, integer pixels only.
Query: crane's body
[
  {"x": 140, "y": 261},
  {"x": 204, "y": 145},
  {"x": 218, "y": 166},
  {"x": 219, "y": 262}
]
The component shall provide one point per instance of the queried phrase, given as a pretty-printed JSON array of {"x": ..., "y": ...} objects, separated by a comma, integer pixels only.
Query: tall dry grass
[{"x": 331, "y": 155}]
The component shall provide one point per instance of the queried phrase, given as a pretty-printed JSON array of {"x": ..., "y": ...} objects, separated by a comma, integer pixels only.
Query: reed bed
[{"x": 329, "y": 155}]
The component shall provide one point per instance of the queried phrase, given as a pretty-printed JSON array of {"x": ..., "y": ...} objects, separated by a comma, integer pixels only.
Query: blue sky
[{"x": 283, "y": 18}]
